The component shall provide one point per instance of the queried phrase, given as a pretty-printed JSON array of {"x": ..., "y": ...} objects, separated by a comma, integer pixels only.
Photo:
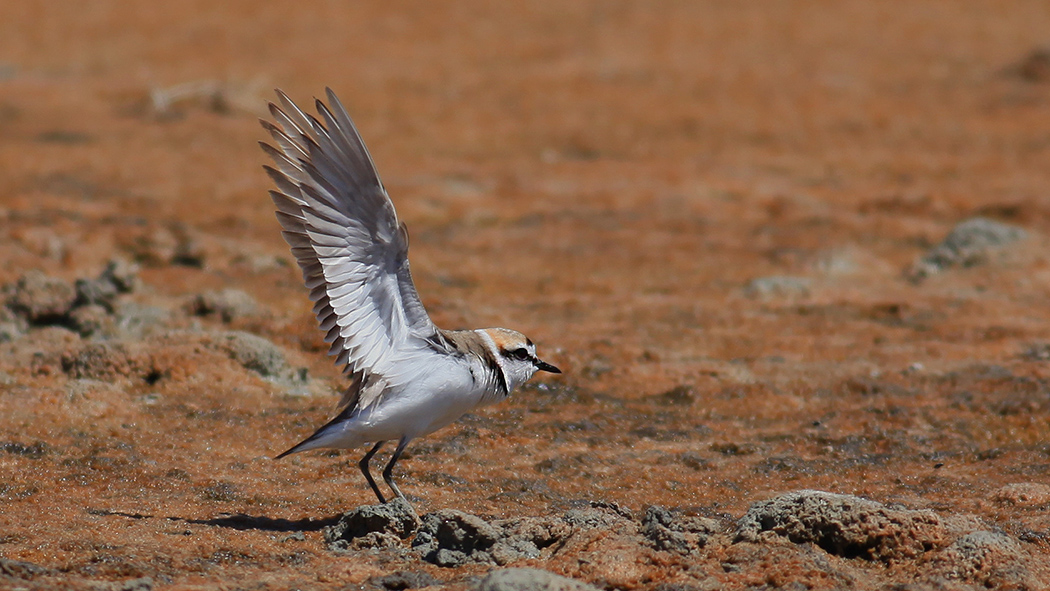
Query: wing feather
[{"x": 345, "y": 235}]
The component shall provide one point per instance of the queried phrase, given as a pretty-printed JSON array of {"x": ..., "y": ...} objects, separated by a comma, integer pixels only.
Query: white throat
[{"x": 495, "y": 364}]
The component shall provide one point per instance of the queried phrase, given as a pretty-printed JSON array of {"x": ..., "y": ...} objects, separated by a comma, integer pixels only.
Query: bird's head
[{"x": 517, "y": 357}]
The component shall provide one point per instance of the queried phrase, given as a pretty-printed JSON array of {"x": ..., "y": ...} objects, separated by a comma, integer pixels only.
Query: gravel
[{"x": 844, "y": 525}]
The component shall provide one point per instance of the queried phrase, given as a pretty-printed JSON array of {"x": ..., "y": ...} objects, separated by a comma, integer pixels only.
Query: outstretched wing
[{"x": 345, "y": 234}]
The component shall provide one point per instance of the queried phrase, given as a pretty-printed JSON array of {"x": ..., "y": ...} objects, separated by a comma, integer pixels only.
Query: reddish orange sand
[{"x": 607, "y": 177}]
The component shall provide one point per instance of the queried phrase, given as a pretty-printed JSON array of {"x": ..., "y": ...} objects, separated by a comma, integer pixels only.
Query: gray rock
[
  {"x": 530, "y": 579},
  {"x": 541, "y": 532},
  {"x": 373, "y": 526},
  {"x": 90, "y": 319},
  {"x": 21, "y": 570},
  {"x": 526, "y": 537},
  {"x": 136, "y": 321},
  {"x": 405, "y": 580},
  {"x": 35, "y": 451},
  {"x": 672, "y": 533},
  {"x": 253, "y": 352},
  {"x": 844, "y": 525},
  {"x": 92, "y": 292},
  {"x": 140, "y": 584},
  {"x": 118, "y": 277},
  {"x": 103, "y": 361},
  {"x": 228, "y": 304},
  {"x": 969, "y": 243},
  {"x": 12, "y": 325},
  {"x": 122, "y": 274},
  {"x": 452, "y": 538},
  {"x": 597, "y": 515},
  {"x": 10, "y": 331},
  {"x": 178, "y": 244},
  {"x": 40, "y": 299},
  {"x": 1023, "y": 494},
  {"x": 990, "y": 559},
  {"x": 778, "y": 286}
]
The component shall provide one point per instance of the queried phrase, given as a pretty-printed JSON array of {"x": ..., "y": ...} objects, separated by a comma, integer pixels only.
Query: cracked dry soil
[{"x": 792, "y": 257}]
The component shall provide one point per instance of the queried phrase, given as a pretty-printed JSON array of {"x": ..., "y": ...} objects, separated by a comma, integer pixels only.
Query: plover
[{"x": 408, "y": 378}]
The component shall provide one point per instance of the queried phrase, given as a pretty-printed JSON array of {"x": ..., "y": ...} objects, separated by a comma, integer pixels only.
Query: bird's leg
[
  {"x": 388, "y": 472},
  {"x": 363, "y": 464}
]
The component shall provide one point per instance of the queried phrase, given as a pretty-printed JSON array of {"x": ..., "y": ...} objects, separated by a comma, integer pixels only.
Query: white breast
[{"x": 437, "y": 395}]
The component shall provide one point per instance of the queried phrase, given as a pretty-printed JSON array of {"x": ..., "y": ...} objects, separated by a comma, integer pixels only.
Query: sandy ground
[{"x": 711, "y": 215}]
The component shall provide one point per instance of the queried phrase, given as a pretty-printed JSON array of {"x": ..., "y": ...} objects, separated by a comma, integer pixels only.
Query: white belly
[{"x": 430, "y": 402}]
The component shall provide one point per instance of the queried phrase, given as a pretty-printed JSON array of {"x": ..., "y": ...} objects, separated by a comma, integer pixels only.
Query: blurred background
[{"x": 774, "y": 245}]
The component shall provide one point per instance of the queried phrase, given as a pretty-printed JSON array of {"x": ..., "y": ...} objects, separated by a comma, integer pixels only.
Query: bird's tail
[
  {"x": 298, "y": 447},
  {"x": 323, "y": 437}
]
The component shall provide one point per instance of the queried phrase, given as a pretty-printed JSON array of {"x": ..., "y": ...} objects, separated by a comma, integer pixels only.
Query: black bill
[{"x": 544, "y": 366}]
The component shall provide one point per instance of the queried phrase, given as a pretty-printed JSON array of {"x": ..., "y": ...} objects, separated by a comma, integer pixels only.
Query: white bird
[{"x": 408, "y": 378}]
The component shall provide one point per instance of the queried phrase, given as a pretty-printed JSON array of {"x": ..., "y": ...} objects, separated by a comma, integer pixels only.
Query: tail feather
[
  {"x": 311, "y": 442},
  {"x": 315, "y": 441},
  {"x": 301, "y": 446}
]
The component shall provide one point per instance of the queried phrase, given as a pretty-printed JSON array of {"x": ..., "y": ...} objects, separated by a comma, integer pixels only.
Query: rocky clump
[
  {"x": 970, "y": 243},
  {"x": 940, "y": 552},
  {"x": 373, "y": 526},
  {"x": 229, "y": 305},
  {"x": 404, "y": 580},
  {"x": 264, "y": 358},
  {"x": 119, "y": 277},
  {"x": 174, "y": 244},
  {"x": 1023, "y": 494},
  {"x": 252, "y": 352},
  {"x": 992, "y": 560},
  {"x": 778, "y": 286},
  {"x": 40, "y": 299},
  {"x": 451, "y": 538},
  {"x": 672, "y": 533},
  {"x": 86, "y": 306},
  {"x": 106, "y": 361},
  {"x": 844, "y": 525},
  {"x": 530, "y": 579},
  {"x": 20, "y": 570}
]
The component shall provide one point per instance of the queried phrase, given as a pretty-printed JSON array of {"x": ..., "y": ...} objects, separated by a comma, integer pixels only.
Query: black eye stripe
[{"x": 521, "y": 353}]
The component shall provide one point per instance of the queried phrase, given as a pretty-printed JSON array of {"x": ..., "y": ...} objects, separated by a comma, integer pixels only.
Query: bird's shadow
[{"x": 241, "y": 521}]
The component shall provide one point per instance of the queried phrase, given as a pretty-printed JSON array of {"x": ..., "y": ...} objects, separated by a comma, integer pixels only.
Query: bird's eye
[{"x": 521, "y": 354}]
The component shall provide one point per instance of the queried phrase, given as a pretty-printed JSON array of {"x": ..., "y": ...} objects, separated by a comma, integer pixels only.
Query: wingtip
[{"x": 275, "y": 109}]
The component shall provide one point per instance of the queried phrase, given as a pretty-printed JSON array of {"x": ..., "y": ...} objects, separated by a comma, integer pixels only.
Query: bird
[{"x": 407, "y": 377}]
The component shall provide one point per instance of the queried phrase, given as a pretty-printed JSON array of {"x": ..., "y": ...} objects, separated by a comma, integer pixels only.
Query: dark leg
[
  {"x": 388, "y": 472},
  {"x": 363, "y": 464}
]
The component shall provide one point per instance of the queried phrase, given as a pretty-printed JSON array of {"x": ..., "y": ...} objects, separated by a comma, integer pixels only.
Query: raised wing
[{"x": 344, "y": 233}]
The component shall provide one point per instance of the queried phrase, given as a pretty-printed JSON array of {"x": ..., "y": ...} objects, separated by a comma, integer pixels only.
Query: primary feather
[{"x": 345, "y": 235}]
